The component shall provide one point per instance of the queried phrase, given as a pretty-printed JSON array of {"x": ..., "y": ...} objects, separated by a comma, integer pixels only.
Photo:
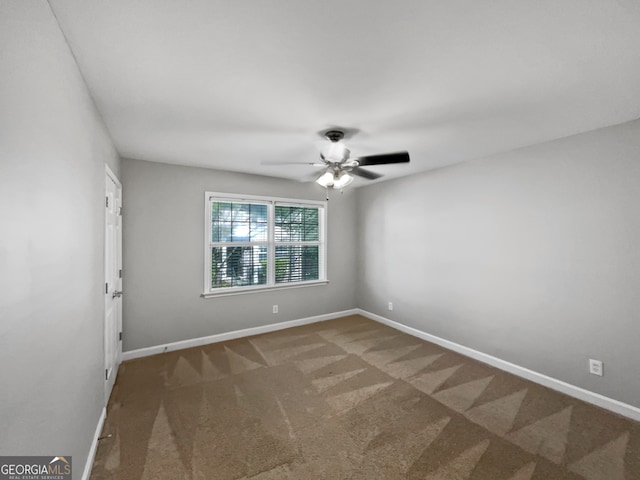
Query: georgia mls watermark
[{"x": 35, "y": 468}]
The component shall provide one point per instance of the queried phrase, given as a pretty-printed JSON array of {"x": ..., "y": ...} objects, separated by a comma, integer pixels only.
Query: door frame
[{"x": 109, "y": 382}]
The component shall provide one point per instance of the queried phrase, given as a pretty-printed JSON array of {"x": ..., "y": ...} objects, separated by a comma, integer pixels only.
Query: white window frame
[{"x": 271, "y": 244}]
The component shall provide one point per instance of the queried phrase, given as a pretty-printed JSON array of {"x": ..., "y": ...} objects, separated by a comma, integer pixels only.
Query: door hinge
[
  {"x": 120, "y": 336},
  {"x": 106, "y": 374},
  {"x": 106, "y": 288},
  {"x": 106, "y": 202},
  {"x": 120, "y": 273},
  {"x": 120, "y": 211}
]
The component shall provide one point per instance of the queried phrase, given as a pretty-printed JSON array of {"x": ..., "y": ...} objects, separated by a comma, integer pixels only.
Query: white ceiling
[{"x": 229, "y": 84}]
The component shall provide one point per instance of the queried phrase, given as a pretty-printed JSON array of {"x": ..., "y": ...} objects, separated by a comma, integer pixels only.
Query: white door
[{"x": 113, "y": 280}]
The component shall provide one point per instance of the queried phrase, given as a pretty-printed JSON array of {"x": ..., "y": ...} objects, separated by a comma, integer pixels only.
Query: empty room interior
[{"x": 321, "y": 240}]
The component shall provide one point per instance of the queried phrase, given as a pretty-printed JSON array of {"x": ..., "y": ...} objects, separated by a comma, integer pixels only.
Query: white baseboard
[
  {"x": 94, "y": 446},
  {"x": 580, "y": 393},
  {"x": 222, "y": 337}
]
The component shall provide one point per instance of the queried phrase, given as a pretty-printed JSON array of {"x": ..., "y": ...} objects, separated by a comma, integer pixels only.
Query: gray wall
[
  {"x": 164, "y": 256},
  {"x": 53, "y": 147},
  {"x": 532, "y": 256}
]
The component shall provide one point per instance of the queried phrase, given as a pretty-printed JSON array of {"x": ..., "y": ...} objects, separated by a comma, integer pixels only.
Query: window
[{"x": 255, "y": 243}]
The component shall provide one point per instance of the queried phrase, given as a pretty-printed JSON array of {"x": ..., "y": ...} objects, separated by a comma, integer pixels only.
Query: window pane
[
  {"x": 295, "y": 224},
  {"x": 238, "y": 266},
  {"x": 282, "y": 214},
  {"x": 311, "y": 232},
  {"x": 221, "y": 232},
  {"x": 296, "y": 263},
  {"x": 258, "y": 230},
  {"x": 221, "y": 211},
  {"x": 220, "y": 215},
  {"x": 238, "y": 222}
]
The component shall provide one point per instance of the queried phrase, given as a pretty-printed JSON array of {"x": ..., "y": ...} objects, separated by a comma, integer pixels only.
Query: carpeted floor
[{"x": 350, "y": 399}]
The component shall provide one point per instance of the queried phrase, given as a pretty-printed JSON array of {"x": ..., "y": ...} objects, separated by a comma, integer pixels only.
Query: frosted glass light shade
[
  {"x": 342, "y": 181},
  {"x": 326, "y": 180}
]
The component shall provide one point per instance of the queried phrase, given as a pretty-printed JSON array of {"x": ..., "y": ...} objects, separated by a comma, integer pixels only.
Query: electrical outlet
[
  {"x": 275, "y": 309},
  {"x": 390, "y": 306},
  {"x": 595, "y": 367}
]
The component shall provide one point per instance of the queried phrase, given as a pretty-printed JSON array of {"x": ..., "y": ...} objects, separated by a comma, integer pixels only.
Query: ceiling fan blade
[
  {"x": 385, "y": 158},
  {"x": 368, "y": 174},
  {"x": 279, "y": 162}
]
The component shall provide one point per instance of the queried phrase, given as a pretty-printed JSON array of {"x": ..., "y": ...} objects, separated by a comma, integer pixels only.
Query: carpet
[{"x": 350, "y": 399}]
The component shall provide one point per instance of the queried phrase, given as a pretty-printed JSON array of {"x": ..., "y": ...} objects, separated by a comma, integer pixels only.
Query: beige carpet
[{"x": 350, "y": 399}]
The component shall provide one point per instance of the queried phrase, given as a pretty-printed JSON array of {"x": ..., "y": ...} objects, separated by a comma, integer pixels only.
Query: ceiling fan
[{"x": 339, "y": 167}]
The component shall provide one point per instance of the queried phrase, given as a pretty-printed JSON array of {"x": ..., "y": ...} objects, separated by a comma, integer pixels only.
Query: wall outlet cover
[{"x": 596, "y": 367}]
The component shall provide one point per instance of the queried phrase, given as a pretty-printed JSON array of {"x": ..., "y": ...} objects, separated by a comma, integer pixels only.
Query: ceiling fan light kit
[{"x": 338, "y": 179}]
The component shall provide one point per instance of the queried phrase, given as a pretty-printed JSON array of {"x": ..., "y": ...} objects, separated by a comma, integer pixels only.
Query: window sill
[{"x": 244, "y": 290}]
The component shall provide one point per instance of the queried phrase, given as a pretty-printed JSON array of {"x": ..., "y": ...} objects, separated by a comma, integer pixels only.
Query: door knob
[{"x": 117, "y": 293}]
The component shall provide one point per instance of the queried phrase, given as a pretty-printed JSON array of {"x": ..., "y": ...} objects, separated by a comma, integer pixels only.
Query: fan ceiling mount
[
  {"x": 334, "y": 135},
  {"x": 338, "y": 167}
]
